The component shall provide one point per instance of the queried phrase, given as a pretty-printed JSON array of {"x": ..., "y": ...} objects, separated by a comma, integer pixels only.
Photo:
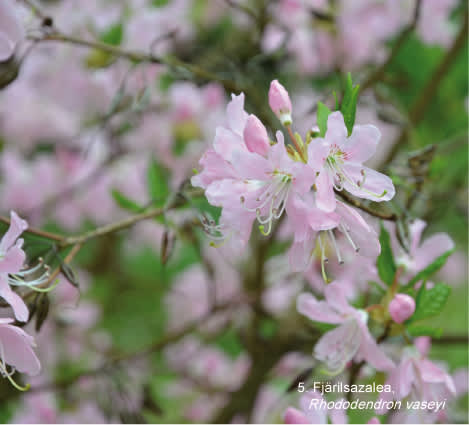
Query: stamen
[
  {"x": 323, "y": 259},
  {"x": 349, "y": 238},
  {"x": 334, "y": 242}
]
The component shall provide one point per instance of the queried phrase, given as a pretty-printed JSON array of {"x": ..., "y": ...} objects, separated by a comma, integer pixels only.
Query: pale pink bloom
[
  {"x": 401, "y": 307},
  {"x": 319, "y": 230},
  {"x": 255, "y": 136},
  {"x": 374, "y": 420},
  {"x": 16, "y": 350},
  {"x": 37, "y": 408},
  {"x": 11, "y": 29},
  {"x": 351, "y": 340},
  {"x": 422, "y": 253},
  {"x": 434, "y": 25},
  {"x": 12, "y": 258},
  {"x": 418, "y": 377},
  {"x": 455, "y": 269},
  {"x": 280, "y": 103},
  {"x": 342, "y": 158},
  {"x": 312, "y": 414}
]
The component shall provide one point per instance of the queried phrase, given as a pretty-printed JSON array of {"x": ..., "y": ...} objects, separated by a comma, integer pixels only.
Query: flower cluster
[
  {"x": 254, "y": 178},
  {"x": 15, "y": 344}
]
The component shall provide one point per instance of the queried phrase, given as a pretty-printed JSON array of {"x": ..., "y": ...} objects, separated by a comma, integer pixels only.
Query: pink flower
[
  {"x": 280, "y": 102},
  {"x": 417, "y": 376},
  {"x": 401, "y": 307},
  {"x": 11, "y": 30},
  {"x": 16, "y": 351},
  {"x": 350, "y": 340},
  {"x": 12, "y": 258},
  {"x": 342, "y": 159},
  {"x": 312, "y": 413},
  {"x": 422, "y": 254},
  {"x": 323, "y": 228}
]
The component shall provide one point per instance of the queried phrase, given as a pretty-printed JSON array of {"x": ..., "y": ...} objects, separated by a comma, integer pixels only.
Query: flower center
[{"x": 268, "y": 198}]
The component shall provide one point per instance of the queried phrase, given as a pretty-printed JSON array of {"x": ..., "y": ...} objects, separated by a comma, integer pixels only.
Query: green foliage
[
  {"x": 322, "y": 115},
  {"x": 113, "y": 35},
  {"x": 157, "y": 180},
  {"x": 424, "y": 330},
  {"x": 348, "y": 106},
  {"x": 428, "y": 271},
  {"x": 430, "y": 302},
  {"x": 124, "y": 202},
  {"x": 385, "y": 263},
  {"x": 159, "y": 3}
]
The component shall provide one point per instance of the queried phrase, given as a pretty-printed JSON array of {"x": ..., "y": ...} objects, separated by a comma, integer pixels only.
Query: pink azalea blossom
[
  {"x": 311, "y": 413},
  {"x": 12, "y": 258},
  {"x": 351, "y": 340},
  {"x": 418, "y": 377},
  {"x": 421, "y": 254},
  {"x": 342, "y": 158},
  {"x": 16, "y": 350},
  {"x": 324, "y": 228}
]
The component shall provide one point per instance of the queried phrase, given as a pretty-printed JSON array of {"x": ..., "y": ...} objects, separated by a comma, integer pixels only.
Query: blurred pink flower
[{"x": 350, "y": 340}]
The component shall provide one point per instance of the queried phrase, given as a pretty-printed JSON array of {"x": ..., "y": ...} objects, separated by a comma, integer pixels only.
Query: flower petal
[
  {"x": 12, "y": 298},
  {"x": 17, "y": 226},
  {"x": 361, "y": 145},
  {"x": 377, "y": 186},
  {"x": 319, "y": 311},
  {"x": 325, "y": 198}
]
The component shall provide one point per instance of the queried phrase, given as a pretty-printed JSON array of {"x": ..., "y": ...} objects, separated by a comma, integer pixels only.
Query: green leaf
[
  {"x": 430, "y": 302},
  {"x": 424, "y": 330},
  {"x": 427, "y": 272},
  {"x": 113, "y": 35},
  {"x": 349, "y": 103},
  {"x": 385, "y": 263},
  {"x": 159, "y": 3},
  {"x": 124, "y": 202},
  {"x": 322, "y": 115},
  {"x": 158, "y": 188}
]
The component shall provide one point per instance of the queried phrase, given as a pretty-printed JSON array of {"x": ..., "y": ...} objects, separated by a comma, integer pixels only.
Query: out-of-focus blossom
[
  {"x": 11, "y": 30},
  {"x": 350, "y": 340}
]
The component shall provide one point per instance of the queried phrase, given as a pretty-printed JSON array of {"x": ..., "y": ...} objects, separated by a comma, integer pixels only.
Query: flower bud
[
  {"x": 401, "y": 308},
  {"x": 280, "y": 102},
  {"x": 255, "y": 136},
  {"x": 294, "y": 416}
]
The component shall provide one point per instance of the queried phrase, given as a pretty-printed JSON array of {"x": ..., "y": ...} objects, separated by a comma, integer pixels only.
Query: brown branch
[
  {"x": 37, "y": 232},
  {"x": 423, "y": 101},
  {"x": 378, "y": 73},
  {"x": 357, "y": 204}
]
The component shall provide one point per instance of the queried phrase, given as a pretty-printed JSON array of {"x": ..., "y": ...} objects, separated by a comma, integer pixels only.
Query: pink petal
[
  {"x": 318, "y": 150},
  {"x": 431, "y": 249},
  {"x": 433, "y": 374},
  {"x": 325, "y": 198},
  {"x": 295, "y": 416},
  {"x": 416, "y": 229},
  {"x": 236, "y": 114},
  {"x": 337, "y": 347},
  {"x": 336, "y": 130},
  {"x": 319, "y": 311},
  {"x": 12, "y": 298},
  {"x": 361, "y": 145},
  {"x": 251, "y": 166},
  {"x": 335, "y": 297},
  {"x": 17, "y": 226},
  {"x": 375, "y": 184},
  {"x": 226, "y": 142},
  {"x": 370, "y": 352},
  {"x": 17, "y": 350},
  {"x": 13, "y": 259}
]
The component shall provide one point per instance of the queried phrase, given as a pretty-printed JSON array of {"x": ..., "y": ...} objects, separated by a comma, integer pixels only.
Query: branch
[
  {"x": 378, "y": 73},
  {"x": 136, "y": 56},
  {"x": 37, "y": 232},
  {"x": 423, "y": 101},
  {"x": 359, "y": 205}
]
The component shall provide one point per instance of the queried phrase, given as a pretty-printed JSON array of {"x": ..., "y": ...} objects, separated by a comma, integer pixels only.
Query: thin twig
[
  {"x": 357, "y": 204},
  {"x": 423, "y": 101},
  {"x": 37, "y": 232},
  {"x": 378, "y": 73}
]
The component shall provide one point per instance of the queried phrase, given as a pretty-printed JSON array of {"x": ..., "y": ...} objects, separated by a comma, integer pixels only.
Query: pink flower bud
[
  {"x": 374, "y": 420},
  {"x": 280, "y": 102},
  {"x": 423, "y": 344},
  {"x": 255, "y": 136},
  {"x": 401, "y": 308}
]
